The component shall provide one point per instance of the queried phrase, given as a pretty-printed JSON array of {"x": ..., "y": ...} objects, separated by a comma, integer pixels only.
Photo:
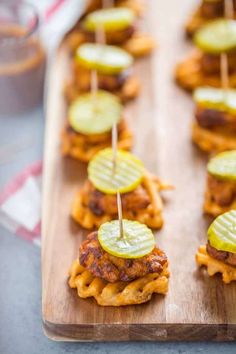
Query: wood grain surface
[{"x": 197, "y": 307}]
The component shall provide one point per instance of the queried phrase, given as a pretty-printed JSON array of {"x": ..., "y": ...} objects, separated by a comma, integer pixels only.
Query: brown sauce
[{"x": 22, "y": 67}]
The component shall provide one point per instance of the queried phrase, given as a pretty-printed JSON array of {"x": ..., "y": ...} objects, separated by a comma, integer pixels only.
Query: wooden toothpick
[
  {"x": 94, "y": 87},
  {"x": 114, "y": 147},
  {"x": 224, "y": 72},
  {"x": 100, "y": 36},
  {"x": 101, "y": 39},
  {"x": 114, "y": 163},
  {"x": 229, "y": 9},
  {"x": 224, "y": 65},
  {"x": 120, "y": 217},
  {"x": 107, "y": 3}
]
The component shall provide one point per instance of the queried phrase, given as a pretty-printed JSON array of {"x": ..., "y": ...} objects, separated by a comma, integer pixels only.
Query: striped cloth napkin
[
  {"x": 20, "y": 200},
  {"x": 20, "y": 204}
]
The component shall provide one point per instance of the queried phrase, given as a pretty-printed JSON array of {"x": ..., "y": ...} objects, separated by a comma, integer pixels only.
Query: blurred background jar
[{"x": 22, "y": 58}]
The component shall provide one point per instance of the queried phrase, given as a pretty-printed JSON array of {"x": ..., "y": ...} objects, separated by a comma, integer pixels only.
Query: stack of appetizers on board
[
  {"x": 120, "y": 202},
  {"x": 210, "y": 72}
]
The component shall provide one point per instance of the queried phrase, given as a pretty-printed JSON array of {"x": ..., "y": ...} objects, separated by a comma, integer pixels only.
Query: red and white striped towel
[
  {"x": 20, "y": 204},
  {"x": 20, "y": 200}
]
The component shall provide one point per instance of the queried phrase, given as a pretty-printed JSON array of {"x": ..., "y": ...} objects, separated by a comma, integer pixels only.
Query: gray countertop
[{"x": 21, "y": 140}]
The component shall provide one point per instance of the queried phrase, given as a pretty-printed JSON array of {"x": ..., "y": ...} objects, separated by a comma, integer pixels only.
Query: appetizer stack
[
  {"x": 214, "y": 126},
  {"x": 219, "y": 255},
  {"x": 120, "y": 271},
  {"x": 203, "y": 66},
  {"x": 210, "y": 72},
  {"x": 88, "y": 130},
  {"x": 120, "y": 25},
  {"x": 113, "y": 75},
  {"x": 220, "y": 193},
  {"x": 119, "y": 263},
  {"x": 95, "y": 203},
  {"x": 207, "y": 10}
]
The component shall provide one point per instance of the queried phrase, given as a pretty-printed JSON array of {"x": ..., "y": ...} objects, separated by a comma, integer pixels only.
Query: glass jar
[{"x": 22, "y": 58}]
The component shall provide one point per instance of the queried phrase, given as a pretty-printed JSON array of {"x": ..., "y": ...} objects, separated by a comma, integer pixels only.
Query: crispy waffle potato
[
  {"x": 139, "y": 45},
  {"x": 214, "y": 266},
  {"x": 151, "y": 216},
  {"x": 212, "y": 141},
  {"x": 120, "y": 293},
  {"x": 189, "y": 74},
  {"x": 83, "y": 147}
]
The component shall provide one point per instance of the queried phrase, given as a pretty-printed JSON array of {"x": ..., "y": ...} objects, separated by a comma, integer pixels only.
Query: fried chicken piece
[
  {"x": 103, "y": 265},
  {"x": 227, "y": 257},
  {"x": 212, "y": 9},
  {"x": 221, "y": 192},
  {"x": 93, "y": 139},
  {"x": 209, "y": 118},
  {"x": 82, "y": 77},
  {"x": 84, "y": 147},
  {"x": 211, "y": 63},
  {"x": 117, "y": 37},
  {"x": 101, "y": 203}
]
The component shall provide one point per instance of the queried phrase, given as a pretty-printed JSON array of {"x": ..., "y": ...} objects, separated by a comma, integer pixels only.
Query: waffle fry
[
  {"x": 214, "y": 266},
  {"x": 212, "y": 208},
  {"x": 189, "y": 74},
  {"x": 129, "y": 90},
  {"x": 211, "y": 141},
  {"x": 151, "y": 216},
  {"x": 140, "y": 45},
  {"x": 76, "y": 146},
  {"x": 120, "y": 293}
]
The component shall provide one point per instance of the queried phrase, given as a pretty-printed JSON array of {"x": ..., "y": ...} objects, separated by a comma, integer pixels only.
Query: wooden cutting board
[{"x": 197, "y": 307}]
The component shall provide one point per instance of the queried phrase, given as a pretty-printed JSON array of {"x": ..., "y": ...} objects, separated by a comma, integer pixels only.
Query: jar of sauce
[{"x": 22, "y": 58}]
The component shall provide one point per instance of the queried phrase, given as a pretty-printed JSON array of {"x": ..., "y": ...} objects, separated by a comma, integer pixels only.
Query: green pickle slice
[
  {"x": 113, "y": 19},
  {"x": 223, "y": 166},
  {"x": 127, "y": 175},
  {"x": 89, "y": 116},
  {"x": 106, "y": 59},
  {"x": 217, "y": 99},
  {"x": 217, "y": 37},
  {"x": 137, "y": 240},
  {"x": 222, "y": 232}
]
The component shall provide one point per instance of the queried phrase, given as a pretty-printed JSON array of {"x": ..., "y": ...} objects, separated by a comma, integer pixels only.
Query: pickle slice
[
  {"x": 113, "y": 19},
  {"x": 126, "y": 177},
  {"x": 217, "y": 37},
  {"x": 137, "y": 240},
  {"x": 89, "y": 117},
  {"x": 217, "y": 99},
  {"x": 223, "y": 165},
  {"x": 222, "y": 232},
  {"x": 107, "y": 59}
]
